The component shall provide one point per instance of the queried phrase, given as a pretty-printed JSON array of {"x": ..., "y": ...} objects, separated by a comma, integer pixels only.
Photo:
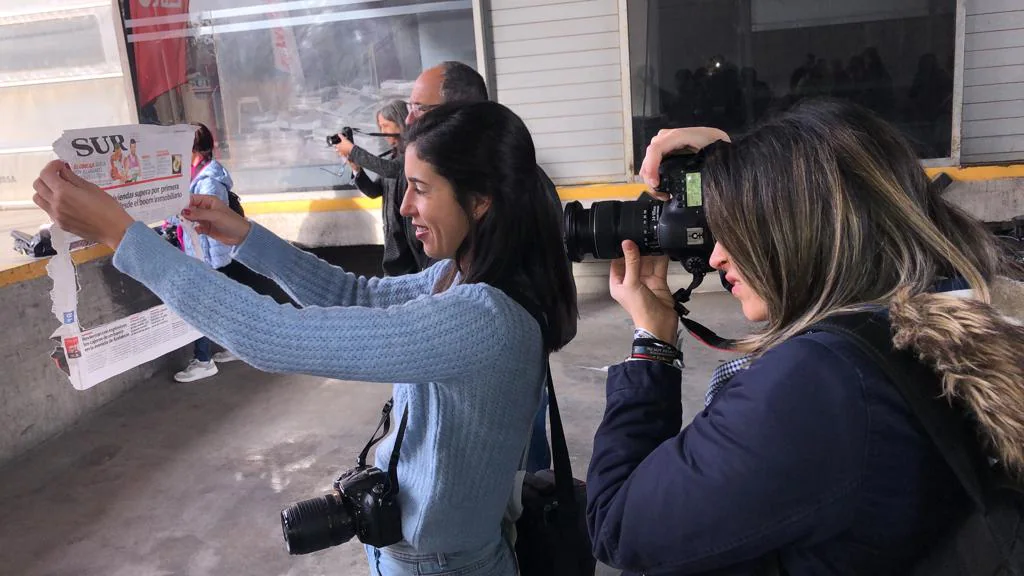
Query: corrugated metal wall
[
  {"x": 993, "y": 115},
  {"x": 557, "y": 64}
]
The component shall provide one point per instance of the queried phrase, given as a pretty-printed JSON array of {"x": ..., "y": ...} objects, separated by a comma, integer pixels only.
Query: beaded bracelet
[{"x": 647, "y": 347}]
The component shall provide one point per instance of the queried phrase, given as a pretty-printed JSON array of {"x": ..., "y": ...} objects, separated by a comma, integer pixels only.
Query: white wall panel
[
  {"x": 993, "y": 114},
  {"x": 558, "y": 64}
]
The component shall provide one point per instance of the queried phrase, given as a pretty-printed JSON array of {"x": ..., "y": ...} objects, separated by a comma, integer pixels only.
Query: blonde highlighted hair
[{"x": 825, "y": 209}]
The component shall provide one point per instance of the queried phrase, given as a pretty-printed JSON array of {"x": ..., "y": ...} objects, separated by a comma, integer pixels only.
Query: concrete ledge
[
  {"x": 321, "y": 220},
  {"x": 592, "y": 278},
  {"x": 990, "y": 201},
  {"x": 36, "y": 400},
  {"x": 37, "y": 268}
]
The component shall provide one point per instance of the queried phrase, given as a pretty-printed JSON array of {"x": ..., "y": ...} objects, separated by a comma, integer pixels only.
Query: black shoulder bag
[{"x": 552, "y": 538}]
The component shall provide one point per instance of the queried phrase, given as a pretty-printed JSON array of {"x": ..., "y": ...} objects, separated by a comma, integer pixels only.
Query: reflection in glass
[
  {"x": 274, "y": 79},
  {"x": 729, "y": 64}
]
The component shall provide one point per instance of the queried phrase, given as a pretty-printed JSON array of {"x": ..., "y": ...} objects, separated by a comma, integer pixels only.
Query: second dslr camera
[{"x": 335, "y": 139}]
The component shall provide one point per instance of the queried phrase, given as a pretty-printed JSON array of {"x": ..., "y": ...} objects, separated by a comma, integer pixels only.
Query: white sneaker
[
  {"x": 196, "y": 370},
  {"x": 225, "y": 356}
]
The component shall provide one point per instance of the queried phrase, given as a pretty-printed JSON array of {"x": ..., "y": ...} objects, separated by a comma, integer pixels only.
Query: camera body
[
  {"x": 362, "y": 504},
  {"x": 676, "y": 227},
  {"x": 335, "y": 139}
]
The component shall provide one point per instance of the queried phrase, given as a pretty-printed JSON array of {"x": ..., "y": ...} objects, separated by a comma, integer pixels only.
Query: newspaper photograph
[{"x": 147, "y": 169}]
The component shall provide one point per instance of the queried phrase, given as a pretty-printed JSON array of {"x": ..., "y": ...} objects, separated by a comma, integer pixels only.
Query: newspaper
[{"x": 147, "y": 168}]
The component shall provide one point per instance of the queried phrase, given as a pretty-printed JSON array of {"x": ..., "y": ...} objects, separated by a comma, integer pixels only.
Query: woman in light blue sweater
[{"x": 464, "y": 334}]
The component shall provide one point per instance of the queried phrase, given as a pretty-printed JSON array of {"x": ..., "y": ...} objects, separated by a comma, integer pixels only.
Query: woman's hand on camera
[
  {"x": 669, "y": 141},
  {"x": 640, "y": 285},
  {"x": 216, "y": 220},
  {"x": 344, "y": 148},
  {"x": 79, "y": 206}
]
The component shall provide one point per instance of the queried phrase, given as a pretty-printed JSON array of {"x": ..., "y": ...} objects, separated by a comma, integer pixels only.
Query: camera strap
[
  {"x": 702, "y": 333},
  {"x": 378, "y": 134},
  {"x": 385, "y": 424},
  {"x": 393, "y": 463},
  {"x": 706, "y": 336},
  {"x": 383, "y": 427}
]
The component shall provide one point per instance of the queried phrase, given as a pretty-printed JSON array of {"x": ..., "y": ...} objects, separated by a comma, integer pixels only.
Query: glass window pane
[
  {"x": 57, "y": 44},
  {"x": 729, "y": 63},
  {"x": 50, "y": 44},
  {"x": 274, "y": 79}
]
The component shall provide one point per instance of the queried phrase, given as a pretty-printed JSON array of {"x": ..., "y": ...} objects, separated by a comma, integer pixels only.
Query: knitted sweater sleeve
[
  {"x": 312, "y": 282},
  {"x": 443, "y": 337}
]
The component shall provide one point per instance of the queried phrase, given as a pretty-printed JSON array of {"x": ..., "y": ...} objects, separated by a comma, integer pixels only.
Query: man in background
[{"x": 455, "y": 82}]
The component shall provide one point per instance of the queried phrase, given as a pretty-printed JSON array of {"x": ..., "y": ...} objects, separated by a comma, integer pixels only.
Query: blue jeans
[
  {"x": 493, "y": 560},
  {"x": 539, "y": 456},
  {"x": 202, "y": 349}
]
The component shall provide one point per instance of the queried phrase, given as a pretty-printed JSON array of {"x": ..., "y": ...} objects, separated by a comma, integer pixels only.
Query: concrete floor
[{"x": 188, "y": 479}]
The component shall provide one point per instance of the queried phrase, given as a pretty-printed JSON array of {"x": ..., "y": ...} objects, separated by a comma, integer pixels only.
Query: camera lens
[
  {"x": 601, "y": 229},
  {"x": 316, "y": 524},
  {"x": 333, "y": 140}
]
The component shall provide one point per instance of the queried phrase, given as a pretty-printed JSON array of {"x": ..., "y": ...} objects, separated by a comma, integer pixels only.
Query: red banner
[{"x": 156, "y": 28}]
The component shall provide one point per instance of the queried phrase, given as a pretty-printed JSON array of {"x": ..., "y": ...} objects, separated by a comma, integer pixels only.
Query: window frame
[
  {"x": 484, "y": 65},
  {"x": 104, "y": 13},
  {"x": 953, "y": 160}
]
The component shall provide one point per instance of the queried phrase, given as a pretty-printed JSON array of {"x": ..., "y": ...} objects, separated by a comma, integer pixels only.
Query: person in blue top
[
  {"x": 466, "y": 340},
  {"x": 806, "y": 460},
  {"x": 209, "y": 178}
]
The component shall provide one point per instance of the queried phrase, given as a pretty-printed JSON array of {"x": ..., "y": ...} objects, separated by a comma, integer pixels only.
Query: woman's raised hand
[
  {"x": 79, "y": 206},
  {"x": 640, "y": 285},
  {"x": 674, "y": 140},
  {"x": 217, "y": 220}
]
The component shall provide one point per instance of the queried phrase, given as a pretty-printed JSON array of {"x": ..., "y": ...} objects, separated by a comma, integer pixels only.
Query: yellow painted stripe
[
  {"x": 592, "y": 192},
  {"x": 602, "y": 192},
  {"x": 37, "y": 269},
  {"x": 976, "y": 173},
  {"x": 304, "y": 206},
  {"x": 596, "y": 192}
]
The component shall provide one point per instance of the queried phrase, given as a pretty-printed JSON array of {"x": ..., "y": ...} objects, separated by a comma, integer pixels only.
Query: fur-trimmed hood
[{"x": 979, "y": 351}]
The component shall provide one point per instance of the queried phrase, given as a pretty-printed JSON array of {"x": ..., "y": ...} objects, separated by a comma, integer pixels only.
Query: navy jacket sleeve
[{"x": 773, "y": 461}]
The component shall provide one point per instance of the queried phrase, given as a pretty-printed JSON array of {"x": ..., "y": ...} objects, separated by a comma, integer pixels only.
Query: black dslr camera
[
  {"x": 335, "y": 139},
  {"x": 364, "y": 503},
  {"x": 677, "y": 227},
  {"x": 361, "y": 505}
]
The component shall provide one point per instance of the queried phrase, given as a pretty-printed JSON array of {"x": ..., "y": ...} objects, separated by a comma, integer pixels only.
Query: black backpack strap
[
  {"x": 567, "y": 515},
  {"x": 872, "y": 334},
  {"x": 568, "y": 510}
]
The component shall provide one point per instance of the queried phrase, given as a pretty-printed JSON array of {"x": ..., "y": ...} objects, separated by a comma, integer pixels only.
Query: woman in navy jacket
[{"x": 806, "y": 461}]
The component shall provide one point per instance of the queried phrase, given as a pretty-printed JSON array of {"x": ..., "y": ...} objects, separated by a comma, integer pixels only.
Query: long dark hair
[
  {"x": 484, "y": 150},
  {"x": 825, "y": 208},
  {"x": 202, "y": 144}
]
